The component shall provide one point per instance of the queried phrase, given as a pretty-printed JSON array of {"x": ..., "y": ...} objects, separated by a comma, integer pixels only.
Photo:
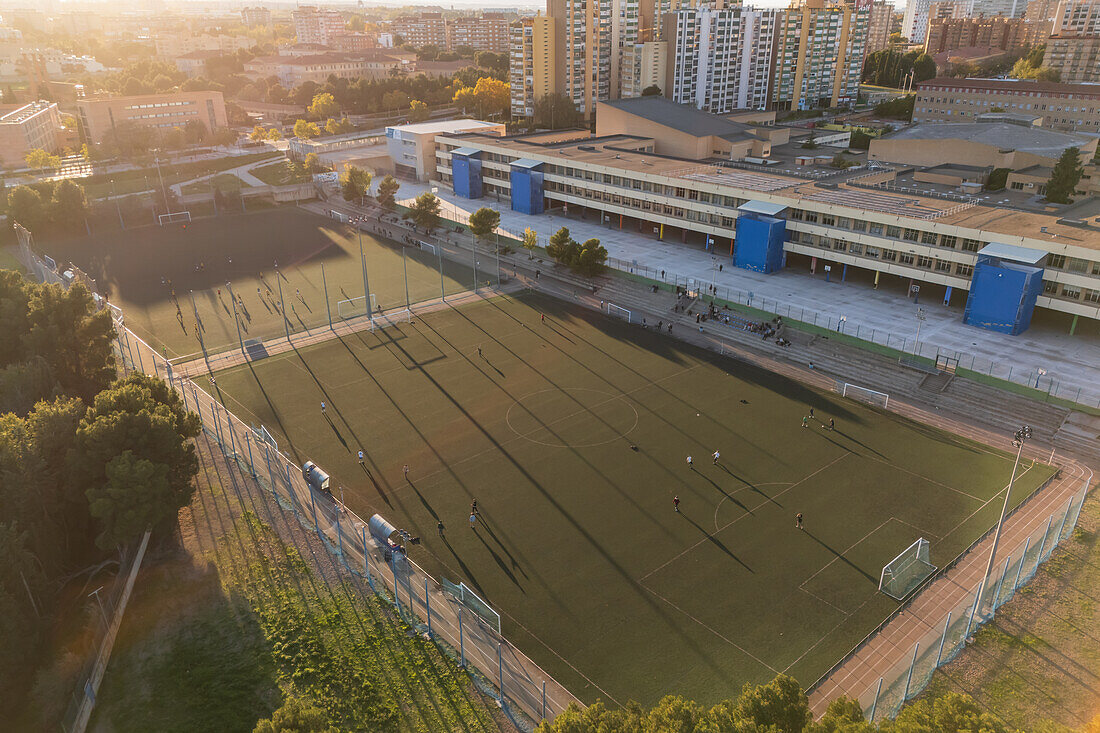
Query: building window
[
  {"x": 910, "y": 235},
  {"x": 964, "y": 270},
  {"x": 872, "y": 251},
  {"x": 1056, "y": 261},
  {"x": 923, "y": 261},
  {"x": 1091, "y": 296},
  {"x": 855, "y": 248},
  {"x": 1049, "y": 287},
  {"x": 889, "y": 255},
  {"x": 905, "y": 259},
  {"x": 893, "y": 232},
  {"x": 1075, "y": 264},
  {"x": 928, "y": 237},
  {"x": 876, "y": 229},
  {"x": 971, "y": 245},
  {"x": 947, "y": 240}
]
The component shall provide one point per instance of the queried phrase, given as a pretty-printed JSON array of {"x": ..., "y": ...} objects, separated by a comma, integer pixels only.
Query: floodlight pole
[
  {"x": 1022, "y": 435},
  {"x": 405, "y": 269},
  {"x": 363, "y": 261},
  {"x": 439, "y": 257},
  {"x": 282, "y": 305},
  {"x": 236, "y": 319},
  {"x": 163, "y": 190},
  {"x": 324, "y": 284}
]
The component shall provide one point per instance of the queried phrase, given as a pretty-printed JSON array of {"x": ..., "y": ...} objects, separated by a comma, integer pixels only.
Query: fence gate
[{"x": 946, "y": 363}]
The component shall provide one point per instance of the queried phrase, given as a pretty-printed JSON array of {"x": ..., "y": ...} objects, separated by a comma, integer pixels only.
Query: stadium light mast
[
  {"x": 1018, "y": 439},
  {"x": 357, "y": 220},
  {"x": 163, "y": 190}
]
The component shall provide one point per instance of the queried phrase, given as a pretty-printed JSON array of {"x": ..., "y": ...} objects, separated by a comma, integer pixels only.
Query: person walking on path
[
  {"x": 716, "y": 456},
  {"x": 798, "y": 521},
  {"x": 360, "y": 456},
  {"x": 691, "y": 463},
  {"x": 676, "y": 503}
]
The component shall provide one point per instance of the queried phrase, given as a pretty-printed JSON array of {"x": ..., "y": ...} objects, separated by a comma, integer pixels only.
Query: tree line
[{"x": 88, "y": 461}]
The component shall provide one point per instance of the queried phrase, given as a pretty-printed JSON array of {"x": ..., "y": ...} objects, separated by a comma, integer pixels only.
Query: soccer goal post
[
  {"x": 905, "y": 572},
  {"x": 174, "y": 218},
  {"x": 355, "y": 307},
  {"x": 390, "y": 318},
  {"x": 427, "y": 246},
  {"x": 863, "y": 394},
  {"x": 619, "y": 312}
]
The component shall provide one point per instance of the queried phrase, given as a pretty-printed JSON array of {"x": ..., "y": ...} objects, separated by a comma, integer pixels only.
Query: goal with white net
[
  {"x": 619, "y": 312},
  {"x": 427, "y": 246},
  {"x": 355, "y": 307},
  {"x": 904, "y": 573},
  {"x": 863, "y": 394},
  {"x": 390, "y": 318},
  {"x": 175, "y": 217}
]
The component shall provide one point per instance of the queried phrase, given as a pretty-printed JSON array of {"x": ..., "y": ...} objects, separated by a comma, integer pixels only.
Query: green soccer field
[
  {"x": 573, "y": 435},
  {"x": 239, "y": 248}
]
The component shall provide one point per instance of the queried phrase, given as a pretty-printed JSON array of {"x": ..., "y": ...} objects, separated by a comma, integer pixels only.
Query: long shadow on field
[
  {"x": 465, "y": 568},
  {"x": 329, "y": 400},
  {"x": 748, "y": 483},
  {"x": 549, "y": 496},
  {"x": 859, "y": 442},
  {"x": 716, "y": 542},
  {"x": 664, "y": 350},
  {"x": 515, "y": 565},
  {"x": 724, "y": 493},
  {"x": 500, "y": 562},
  {"x": 272, "y": 408},
  {"x": 841, "y": 557}
]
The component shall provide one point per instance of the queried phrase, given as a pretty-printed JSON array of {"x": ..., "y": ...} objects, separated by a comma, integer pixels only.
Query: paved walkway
[{"x": 1070, "y": 362}]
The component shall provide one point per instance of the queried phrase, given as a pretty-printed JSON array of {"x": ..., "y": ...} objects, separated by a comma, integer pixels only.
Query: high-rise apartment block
[
  {"x": 819, "y": 54},
  {"x": 532, "y": 68},
  {"x": 257, "y": 16},
  {"x": 1074, "y": 44},
  {"x": 914, "y": 24},
  {"x": 879, "y": 23},
  {"x": 316, "y": 25},
  {"x": 644, "y": 65},
  {"x": 425, "y": 29},
  {"x": 998, "y": 32},
  {"x": 721, "y": 59},
  {"x": 488, "y": 32}
]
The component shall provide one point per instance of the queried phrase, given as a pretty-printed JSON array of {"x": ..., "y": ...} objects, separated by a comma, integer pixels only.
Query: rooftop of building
[
  {"x": 683, "y": 117},
  {"x": 25, "y": 112},
  {"x": 1020, "y": 85},
  {"x": 1007, "y": 213},
  {"x": 1002, "y": 135},
  {"x": 443, "y": 126},
  {"x": 201, "y": 55}
]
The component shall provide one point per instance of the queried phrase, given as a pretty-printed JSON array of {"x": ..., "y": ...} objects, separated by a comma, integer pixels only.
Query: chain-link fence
[
  {"x": 524, "y": 690},
  {"x": 910, "y": 348},
  {"x": 947, "y": 638}
]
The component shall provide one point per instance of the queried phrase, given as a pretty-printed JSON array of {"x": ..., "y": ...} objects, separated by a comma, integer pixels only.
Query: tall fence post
[
  {"x": 1043, "y": 544},
  {"x": 366, "y": 560},
  {"x": 974, "y": 610},
  {"x": 328, "y": 307},
  {"x": 267, "y": 461},
  {"x": 428, "y": 607},
  {"x": 1019, "y": 569},
  {"x": 251, "y": 463},
  {"x": 874, "y": 704},
  {"x": 461, "y": 641},
  {"x": 339, "y": 539},
  {"x": 1000, "y": 583},
  {"x": 544, "y": 699},
  {"x": 1062, "y": 526},
  {"x": 909, "y": 677},
  {"x": 943, "y": 638},
  {"x": 500, "y": 670},
  {"x": 313, "y": 503}
]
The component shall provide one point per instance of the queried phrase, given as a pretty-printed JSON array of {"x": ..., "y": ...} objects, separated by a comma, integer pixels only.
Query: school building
[{"x": 1004, "y": 257}]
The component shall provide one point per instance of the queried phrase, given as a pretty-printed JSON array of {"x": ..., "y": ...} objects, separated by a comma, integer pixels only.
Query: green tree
[
  {"x": 418, "y": 111},
  {"x": 530, "y": 241},
  {"x": 323, "y": 106},
  {"x": 305, "y": 129},
  {"x": 1065, "y": 177},
  {"x": 312, "y": 163},
  {"x": 135, "y": 496},
  {"x": 136, "y": 430},
  {"x": 652, "y": 91},
  {"x": 20, "y": 627},
  {"x": 558, "y": 240},
  {"x": 25, "y": 206},
  {"x": 924, "y": 68},
  {"x": 484, "y": 222},
  {"x": 39, "y": 159},
  {"x": 591, "y": 258},
  {"x": 69, "y": 202},
  {"x": 424, "y": 211},
  {"x": 295, "y": 716},
  {"x": 997, "y": 179},
  {"x": 354, "y": 182},
  {"x": 951, "y": 712},
  {"x": 258, "y": 133},
  {"x": 898, "y": 109},
  {"x": 338, "y": 127},
  {"x": 780, "y": 703},
  {"x": 67, "y": 331},
  {"x": 844, "y": 715},
  {"x": 387, "y": 192}
]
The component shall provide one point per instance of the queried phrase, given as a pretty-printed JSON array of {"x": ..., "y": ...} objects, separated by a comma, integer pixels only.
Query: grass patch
[
  {"x": 1039, "y": 659},
  {"x": 221, "y": 182},
  {"x": 219, "y": 633},
  {"x": 144, "y": 179},
  {"x": 579, "y": 546},
  {"x": 279, "y": 174}
]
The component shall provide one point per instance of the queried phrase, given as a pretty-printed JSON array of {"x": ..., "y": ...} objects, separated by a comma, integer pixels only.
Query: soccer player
[
  {"x": 676, "y": 503},
  {"x": 360, "y": 456},
  {"x": 716, "y": 456},
  {"x": 474, "y": 509},
  {"x": 798, "y": 521},
  {"x": 811, "y": 413},
  {"x": 805, "y": 421},
  {"x": 832, "y": 424},
  {"x": 322, "y": 407},
  {"x": 473, "y": 521},
  {"x": 691, "y": 463},
  {"x": 479, "y": 351},
  {"x": 406, "y": 471},
  {"x": 439, "y": 527}
]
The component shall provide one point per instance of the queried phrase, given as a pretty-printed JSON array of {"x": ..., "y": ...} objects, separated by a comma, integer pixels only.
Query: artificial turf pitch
[
  {"x": 243, "y": 249},
  {"x": 579, "y": 548}
]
